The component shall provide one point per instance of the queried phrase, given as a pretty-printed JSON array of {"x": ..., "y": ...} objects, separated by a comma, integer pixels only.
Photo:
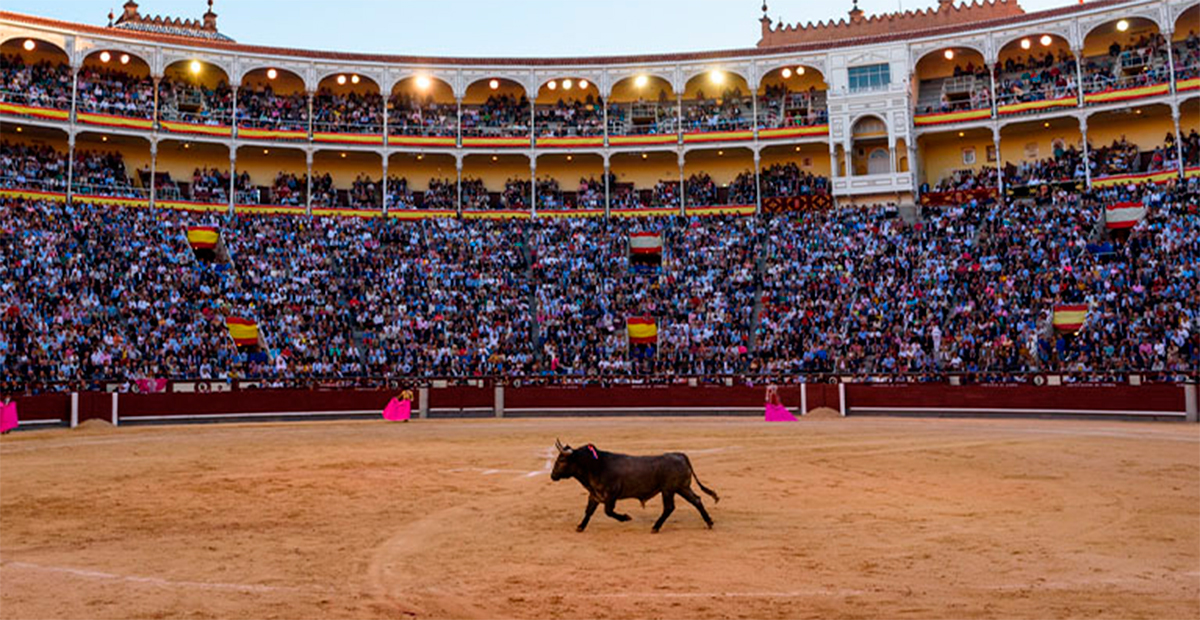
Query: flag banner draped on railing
[{"x": 1070, "y": 317}]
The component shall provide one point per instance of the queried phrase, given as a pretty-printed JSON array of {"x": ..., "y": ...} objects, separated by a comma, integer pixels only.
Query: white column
[
  {"x": 1079, "y": 73},
  {"x": 383, "y": 185},
  {"x": 232, "y": 178},
  {"x": 458, "y": 165},
  {"x": 74, "y": 409},
  {"x": 1087, "y": 165},
  {"x": 841, "y": 397},
  {"x": 607, "y": 189},
  {"x": 994, "y": 104},
  {"x": 71, "y": 163},
  {"x": 310, "y": 114},
  {"x": 1167, "y": 34},
  {"x": 757, "y": 181},
  {"x": 999, "y": 160},
  {"x": 458, "y": 136},
  {"x": 682, "y": 184},
  {"x": 532, "y": 184},
  {"x": 308, "y": 157},
  {"x": 1178, "y": 136},
  {"x": 115, "y": 417},
  {"x": 153, "y": 169},
  {"x": 74, "y": 92}
]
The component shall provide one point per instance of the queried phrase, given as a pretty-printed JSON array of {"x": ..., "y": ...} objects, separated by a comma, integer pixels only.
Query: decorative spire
[{"x": 110, "y": 18}]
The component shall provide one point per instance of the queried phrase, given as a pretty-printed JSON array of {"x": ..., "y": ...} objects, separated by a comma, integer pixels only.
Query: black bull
[{"x": 609, "y": 477}]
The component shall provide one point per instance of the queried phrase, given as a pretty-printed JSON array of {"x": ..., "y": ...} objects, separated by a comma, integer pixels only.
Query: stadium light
[
  {"x": 124, "y": 59},
  {"x": 799, "y": 70},
  {"x": 949, "y": 54},
  {"x": 420, "y": 156},
  {"x": 787, "y": 73},
  {"x": 717, "y": 76},
  {"x": 797, "y": 149},
  {"x": 1026, "y": 44},
  {"x": 19, "y": 130},
  {"x": 1046, "y": 124},
  {"x": 720, "y": 153},
  {"x": 343, "y": 154},
  {"x": 1046, "y": 40},
  {"x": 495, "y": 158},
  {"x": 29, "y": 45},
  {"x": 583, "y": 84},
  {"x": 645, "y": 156},
  {"x": 962, "y": 134},
  {"x": 552, "y": 85},
  {"x": 570, "y": 158},
  {"x": 567, "y": 84},
  {"x": 494, "y": 84},
  {"x": 1123, "y": 25},
  {"x": 104, "y": 138},
  {"x": 105, "y": 57},
  {"x": 354, "y": 79},
  {"x": 341, "y": 79},
  {"x": 272, "y": 74},
  {"x": 195, "y": 67},
  {"x": 266, "y": 151},
  {"x": 423, "y": 82},
  {"x": 641, "y": 81}
]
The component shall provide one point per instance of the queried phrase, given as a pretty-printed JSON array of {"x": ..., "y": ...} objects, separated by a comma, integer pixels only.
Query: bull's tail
[{"x": 710, "y": 492}]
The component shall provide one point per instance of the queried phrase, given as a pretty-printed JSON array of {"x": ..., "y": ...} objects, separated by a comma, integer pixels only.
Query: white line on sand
[{"x": 154, "y": 581}]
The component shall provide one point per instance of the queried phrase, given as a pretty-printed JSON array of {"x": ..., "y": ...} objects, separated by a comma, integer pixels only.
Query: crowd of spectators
[
  {"x": 111, "y": 91},
  {"x": 212, "y": 185},
  {"x": 32, "y": 166},
  {"x": 347, "y": 112},
  {"x": 264, "y": 109},
  {"x": 780, "y": 107},
  {"x": 1065, "y": 164},
  {"x": 44, "y": 84},
  {"x": 516, "y": 194},
  {"x": 730, "y": 111},
  {"x": 1139, "y": 62},
  {"x": 643, "y": 117},
  {"x": 411, "y": 115},
  {"x": 322, "y": 190},
  {"x": 442, "y": 194},
  {"x": 978, "y": 91},
  {"x": 1036, "y": 78},
  {"x": 500, "y": 115},
  {"x": 967, "y": 179},
  {"x": 365, "y": 192},
  {"x": 180, "y": 100},
  {"x": 701, "y": 190},
  {"x": 786, "y": 180},
  {"x": 579, "y": 117},
  {"x": 1187, "y": 57},
  {"x": 474, "y": 195},
  {"x": 289, "y": 189},
  {"x": 103, "y": 293}
]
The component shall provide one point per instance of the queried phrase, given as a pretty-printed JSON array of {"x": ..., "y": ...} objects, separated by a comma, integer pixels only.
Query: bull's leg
[
  {"x": 693, "y": 499},
  {"x": 610, "y": 509},
  {"x": 668, "y": 508},
  {"x": 587, "y": 514}
]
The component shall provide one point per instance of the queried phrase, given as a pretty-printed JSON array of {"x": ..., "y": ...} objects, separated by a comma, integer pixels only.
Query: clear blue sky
[{"x": 480, "y": 28}]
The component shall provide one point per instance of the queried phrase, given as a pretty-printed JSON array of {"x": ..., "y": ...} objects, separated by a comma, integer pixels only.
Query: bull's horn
[{"x": 558, "y": 444}]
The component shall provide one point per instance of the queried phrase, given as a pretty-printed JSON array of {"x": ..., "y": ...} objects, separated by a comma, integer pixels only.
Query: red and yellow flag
[
  {"x": 1070, "y": 317},
  {"x": 203, "y": 237},
  {"x": 243, "y": 331},
  {"x": 642, "y": 330}
]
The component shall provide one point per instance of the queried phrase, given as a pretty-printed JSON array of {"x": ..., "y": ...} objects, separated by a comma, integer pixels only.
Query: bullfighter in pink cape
[
  {"x": 399, "y": 409},
  {"x": 776, "y": 412},
  {"x": 8, "y": 415}
]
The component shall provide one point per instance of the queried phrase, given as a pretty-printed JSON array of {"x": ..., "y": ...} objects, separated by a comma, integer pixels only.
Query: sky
[{"x": 488, "y": 28}]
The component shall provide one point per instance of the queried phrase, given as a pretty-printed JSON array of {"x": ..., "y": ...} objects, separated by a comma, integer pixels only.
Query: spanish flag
[
  {"x": 1070, "y": 317},
  {"x": 243, "y": 331},
  {"x": 642, "y": 330},
  {"x": 203, "y": 237}
]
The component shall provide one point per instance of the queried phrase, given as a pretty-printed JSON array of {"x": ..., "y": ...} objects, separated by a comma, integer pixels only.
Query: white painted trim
[
  {"x": 842, "y": 399},
  {"x": 74, "y": 409},
  {"x": 115, "y": 418},
  {"x": 21, "y": 423},
  {"x": 594, "y": 409},
  {"x": 222, "y": 416},
  {"x": 803, "y": 399},
  {"x": 1012, "y": 410}
]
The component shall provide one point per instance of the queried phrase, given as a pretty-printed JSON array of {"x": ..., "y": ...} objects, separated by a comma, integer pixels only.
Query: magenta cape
[
  {"x": 398, "y": 410},
  {"x": 8, "y": 417},
  {"x": 779, "y": 413}
]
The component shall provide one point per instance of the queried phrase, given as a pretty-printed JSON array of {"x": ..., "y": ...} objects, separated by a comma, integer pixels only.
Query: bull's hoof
[
  {"x": 709, "y": 524},
  {"x": 624, "y": 518},
  {"x": 654, "y": 530},
  {"x": 580, "y": 528}
]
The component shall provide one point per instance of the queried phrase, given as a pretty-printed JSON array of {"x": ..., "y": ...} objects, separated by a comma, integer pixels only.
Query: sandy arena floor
[{"x": 846, "y": 518}]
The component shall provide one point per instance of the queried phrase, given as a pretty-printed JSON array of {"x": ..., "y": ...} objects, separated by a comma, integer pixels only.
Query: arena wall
[{"x": 1149, "y": 401}]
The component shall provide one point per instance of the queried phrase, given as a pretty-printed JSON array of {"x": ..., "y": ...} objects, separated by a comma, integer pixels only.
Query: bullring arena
[
  {"x": 855, "y": 517},
  {"x": 289, "y": 333}
]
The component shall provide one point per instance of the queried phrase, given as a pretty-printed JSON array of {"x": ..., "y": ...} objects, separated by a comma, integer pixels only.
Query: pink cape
[
  {"x": 8, "y": 417},
  {"x": 779, "y": 413},
  {"x": 398, "y": 410}
]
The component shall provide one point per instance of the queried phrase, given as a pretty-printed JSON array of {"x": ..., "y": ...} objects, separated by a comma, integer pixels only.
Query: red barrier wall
[
  {"x": 55, "y": 406},
  {"x": 1147, "y": 398},
  {"x": 632, "y": 398},
  {"x": 252, "y": 401}
]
